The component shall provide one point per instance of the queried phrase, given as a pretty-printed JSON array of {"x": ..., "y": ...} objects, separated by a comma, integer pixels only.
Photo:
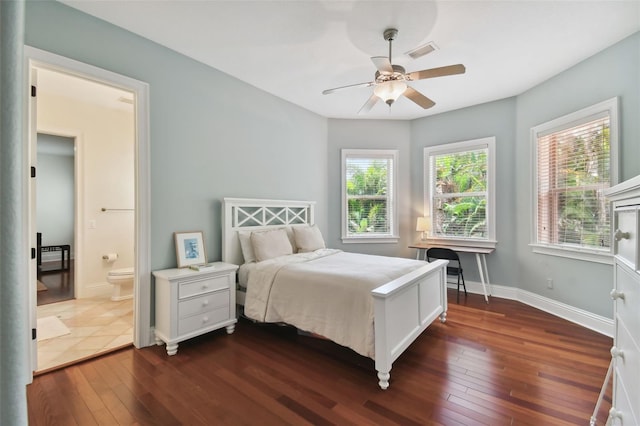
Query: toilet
[{"x": 122, "y": 282}]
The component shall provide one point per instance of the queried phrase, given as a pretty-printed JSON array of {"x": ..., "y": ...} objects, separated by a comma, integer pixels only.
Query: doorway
[
  {"x": 55, "y": 218},
  {"x": 139, "y": 213},
  {"x": 90, "y": 323}
]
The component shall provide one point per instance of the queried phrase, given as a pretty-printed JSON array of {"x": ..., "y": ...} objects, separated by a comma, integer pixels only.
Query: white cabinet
[
  {"x": 625, "y": 198},
  {"x": 189, "y": 303}
]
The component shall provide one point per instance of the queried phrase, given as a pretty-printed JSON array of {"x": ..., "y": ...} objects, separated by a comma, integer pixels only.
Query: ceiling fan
[{"x": 390, "y": 80}]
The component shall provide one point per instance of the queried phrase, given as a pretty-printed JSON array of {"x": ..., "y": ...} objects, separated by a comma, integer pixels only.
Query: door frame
[{"x": 33, "y": 57}]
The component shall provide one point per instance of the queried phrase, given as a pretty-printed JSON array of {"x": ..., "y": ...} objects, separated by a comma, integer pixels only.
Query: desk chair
[{"x": 452, "y": 269}]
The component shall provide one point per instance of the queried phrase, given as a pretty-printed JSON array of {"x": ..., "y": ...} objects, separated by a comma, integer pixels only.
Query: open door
[{"x": 33, "y": 263}]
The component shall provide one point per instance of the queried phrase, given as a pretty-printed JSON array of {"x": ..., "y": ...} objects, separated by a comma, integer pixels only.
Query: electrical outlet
[{"x": 549, "y": 283}]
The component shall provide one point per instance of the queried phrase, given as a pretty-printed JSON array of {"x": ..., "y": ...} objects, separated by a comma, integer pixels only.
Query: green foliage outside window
[
  {"x": 460, "y": 201},
  {"x": 367, "y": 197}
]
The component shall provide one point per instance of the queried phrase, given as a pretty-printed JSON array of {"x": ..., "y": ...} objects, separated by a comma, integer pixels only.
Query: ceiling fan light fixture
[{"x": 390, "y": 90}]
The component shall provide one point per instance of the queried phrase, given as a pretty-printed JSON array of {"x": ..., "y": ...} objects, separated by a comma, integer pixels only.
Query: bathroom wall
[{"x": 105, "y": 176}]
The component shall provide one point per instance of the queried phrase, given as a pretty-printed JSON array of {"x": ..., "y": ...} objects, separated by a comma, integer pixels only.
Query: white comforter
[{"x": 327, "y": 292}]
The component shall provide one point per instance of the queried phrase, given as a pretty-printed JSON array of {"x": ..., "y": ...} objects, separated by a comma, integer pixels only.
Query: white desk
[{"x": 481, "y": 259}]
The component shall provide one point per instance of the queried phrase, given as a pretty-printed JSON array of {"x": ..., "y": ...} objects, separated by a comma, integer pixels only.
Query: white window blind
[
  {"x": 573, "y": 169},
  {"x": 368, "y": 188}
]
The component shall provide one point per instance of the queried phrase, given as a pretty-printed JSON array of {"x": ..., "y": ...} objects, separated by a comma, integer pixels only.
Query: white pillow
[
  {"x": 270, "y": 244},
  {"x": 245, "y": 245},
  {"x": 308, "y": 238},
  {"x": 292, "y": 238}
]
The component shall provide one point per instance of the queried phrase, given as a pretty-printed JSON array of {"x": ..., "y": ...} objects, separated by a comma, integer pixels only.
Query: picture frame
[{"x": 190, "y": 248}]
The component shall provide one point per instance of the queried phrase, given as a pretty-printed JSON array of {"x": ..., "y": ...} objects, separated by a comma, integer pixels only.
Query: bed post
[
  {"x": 443, "y": 296},
  {"x": 403, "y": 309}
]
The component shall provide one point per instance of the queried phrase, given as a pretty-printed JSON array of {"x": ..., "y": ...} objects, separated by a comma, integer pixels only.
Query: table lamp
[{"x": 423, "y": 226}]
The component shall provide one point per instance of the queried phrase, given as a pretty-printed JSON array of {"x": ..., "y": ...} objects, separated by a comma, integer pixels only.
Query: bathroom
[{"x": 98, "y": 120}]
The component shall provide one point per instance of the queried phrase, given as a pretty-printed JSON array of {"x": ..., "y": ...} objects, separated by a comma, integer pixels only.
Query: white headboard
[{"x": 249, "y": 214}]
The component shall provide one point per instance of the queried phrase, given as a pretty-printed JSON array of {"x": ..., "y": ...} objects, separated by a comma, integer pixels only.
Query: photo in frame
[{"x": 190, "y": 248}]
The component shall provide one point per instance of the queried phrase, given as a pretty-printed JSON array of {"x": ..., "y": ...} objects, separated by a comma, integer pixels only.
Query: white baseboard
[
  {"x": 96, "y": 290},
  {"x": 578, "y": 316}
]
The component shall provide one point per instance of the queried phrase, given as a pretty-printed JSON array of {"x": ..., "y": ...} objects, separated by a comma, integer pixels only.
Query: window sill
[
  {"x": 577, "y": 254},
  {"x": 369, "y": 240}
]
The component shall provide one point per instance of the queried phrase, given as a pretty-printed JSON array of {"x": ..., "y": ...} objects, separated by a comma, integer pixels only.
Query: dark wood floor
[
  {"x": 59, "y": 283},
  {"x": 499, "y": 364}
]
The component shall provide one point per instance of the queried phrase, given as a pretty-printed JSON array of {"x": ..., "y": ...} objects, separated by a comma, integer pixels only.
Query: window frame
[
  {"x": 488, "y": 143},
  {"x": 582, "y": 116},
  {"x": 387, "y": 154}
]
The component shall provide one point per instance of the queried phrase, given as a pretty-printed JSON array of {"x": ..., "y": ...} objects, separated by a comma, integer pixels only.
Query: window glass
[
  {"x": 368, "y": 194},
  {"x": 460, "y": 199},
  {"x": 459, "y": 191}
]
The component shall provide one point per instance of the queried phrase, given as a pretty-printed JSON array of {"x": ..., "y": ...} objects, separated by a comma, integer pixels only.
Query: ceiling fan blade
[
  {"x": 335, "y": 89},
  {"x": 369, "y": 104},
  {"x": 383, "y": 64},
  {"x": 437, "y": 72},
  {"x": 418, "y": 98}
]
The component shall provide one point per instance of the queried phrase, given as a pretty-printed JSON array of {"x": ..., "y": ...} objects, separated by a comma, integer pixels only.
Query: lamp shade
[
  {"x": 423, "y": 224},
  {"x": 390, "y": 90}
]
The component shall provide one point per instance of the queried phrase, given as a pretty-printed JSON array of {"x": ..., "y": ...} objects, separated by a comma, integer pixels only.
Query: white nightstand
[{"x": 190, "y": 303}]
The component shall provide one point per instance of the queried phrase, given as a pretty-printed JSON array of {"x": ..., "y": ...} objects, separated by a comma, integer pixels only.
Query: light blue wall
[
  {"x": 212, "y": 136},
  {"x": 612, "y": 72},
  {"x": 370, "y": 134},
  {"x": 490, "y": 119},
  {"x": 55, "y": 193}
]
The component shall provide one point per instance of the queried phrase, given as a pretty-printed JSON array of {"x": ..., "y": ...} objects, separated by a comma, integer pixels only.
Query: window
[
  {"x": 459, "y": 192},
  {"x": 368, "y": 195},
  {"x": 574, "y": 163}
]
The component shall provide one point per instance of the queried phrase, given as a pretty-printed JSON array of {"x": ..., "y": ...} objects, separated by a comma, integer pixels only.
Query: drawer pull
[
  {"x": 205, "y": 319},
  {"x": 617, "y": 353},
  {"x": 619, "y": 235},
  {"x": 204, "y": 286},
  {"x": 205, "y": 302},
  {"x": 616, "y": 294},
  {"x": 614, "y": 413}
]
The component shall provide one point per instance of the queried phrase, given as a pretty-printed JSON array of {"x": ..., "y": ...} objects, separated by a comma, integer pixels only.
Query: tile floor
[{"x": 96, "y": 324}]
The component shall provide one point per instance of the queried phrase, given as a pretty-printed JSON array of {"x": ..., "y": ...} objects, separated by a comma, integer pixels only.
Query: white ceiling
[{"x": 296, "y": 49}]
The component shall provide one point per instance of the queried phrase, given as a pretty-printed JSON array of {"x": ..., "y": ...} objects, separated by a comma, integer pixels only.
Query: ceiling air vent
[{"x": 419, "y": 51}]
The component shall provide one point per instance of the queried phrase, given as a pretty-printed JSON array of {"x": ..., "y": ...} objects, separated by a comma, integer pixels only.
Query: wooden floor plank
[{"x": 502, "y": 363}]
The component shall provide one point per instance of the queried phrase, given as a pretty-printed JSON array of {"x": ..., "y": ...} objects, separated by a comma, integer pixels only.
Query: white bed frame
[{"x": 404, "y": 307}]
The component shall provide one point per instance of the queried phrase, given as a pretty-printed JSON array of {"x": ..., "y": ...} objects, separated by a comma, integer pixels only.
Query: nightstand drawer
[
  {"x": 193, "y": 288},
  {"x": 626, "y": 236},
  {"x": 203, "y": 320},
  {"x": 207, "y": 302}
]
